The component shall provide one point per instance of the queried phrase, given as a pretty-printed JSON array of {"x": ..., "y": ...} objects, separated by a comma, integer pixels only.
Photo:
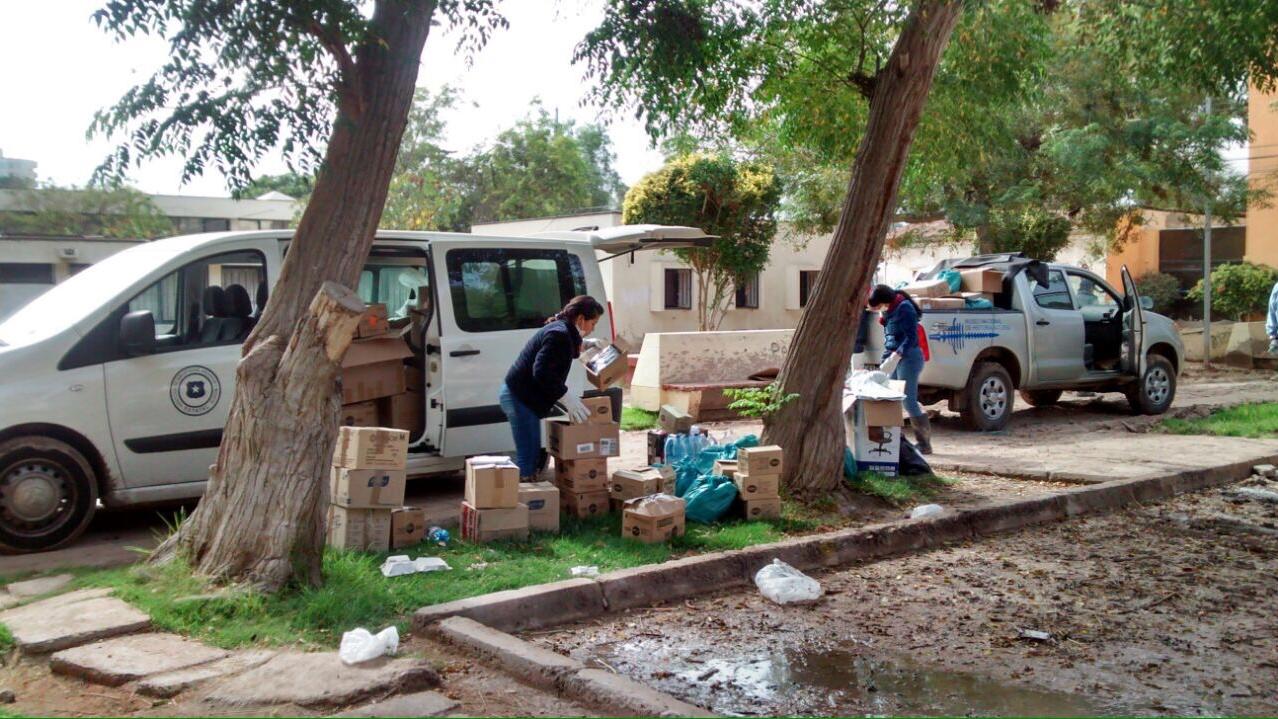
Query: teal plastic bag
[
  {"x": 978, "y": 303},
  {"x": 952, "y": 278},
  {"x": 709, "y": 498},
  {"x": 849, "y": 464}
]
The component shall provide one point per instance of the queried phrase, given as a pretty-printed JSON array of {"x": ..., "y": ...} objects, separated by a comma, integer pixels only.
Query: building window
[
  {"x": 215, "y": 224},
  {"x": 748, "y": 292},
  {"x": 807, "y": 283},
  {"x": 26, "y": 273},
  {"x": 678, "y": 289}
]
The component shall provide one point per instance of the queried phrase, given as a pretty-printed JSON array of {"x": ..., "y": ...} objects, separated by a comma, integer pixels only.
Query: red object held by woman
[{"x": 927, "y": 351}]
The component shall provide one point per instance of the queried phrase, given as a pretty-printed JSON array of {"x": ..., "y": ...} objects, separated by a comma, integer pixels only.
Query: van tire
[
  {"x": 59, "y": 494},
  {"x": 1156, "y": 390},
  {"x": 1041, "y": 397},
  {"x": 989, "y": 398}
]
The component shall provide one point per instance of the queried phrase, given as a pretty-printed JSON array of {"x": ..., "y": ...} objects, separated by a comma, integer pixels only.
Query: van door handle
[
  {"x": 1042, "y": 323},
  {"x": 463, "y": 353}
]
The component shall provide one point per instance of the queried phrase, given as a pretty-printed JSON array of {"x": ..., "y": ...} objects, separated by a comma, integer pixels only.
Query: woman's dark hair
[
  {"x": 883, "y": 295},
  {"x": 579, "y": 306}
]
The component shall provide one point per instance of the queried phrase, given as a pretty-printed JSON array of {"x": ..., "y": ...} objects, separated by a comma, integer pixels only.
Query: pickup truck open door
[{"x": 1134, "y": 349}]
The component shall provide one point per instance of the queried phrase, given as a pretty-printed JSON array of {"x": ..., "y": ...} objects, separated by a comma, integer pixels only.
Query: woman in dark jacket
[
  {"x": 539, "y": 377},
  {"x": 901, "y": 334}
]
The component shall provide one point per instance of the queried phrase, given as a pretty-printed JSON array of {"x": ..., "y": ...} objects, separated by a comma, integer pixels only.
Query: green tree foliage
[
  {"x": 1162, "y": 289},
  {"x": 293, "y": 184},
  {"x": 1239, "y": 291},
  {"x": 736, "y": 201},
  {"x": 116, "y": 212}
]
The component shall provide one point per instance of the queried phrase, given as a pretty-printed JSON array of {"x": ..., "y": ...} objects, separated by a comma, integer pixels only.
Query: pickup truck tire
[
  {"x": 1156, "y": 389},
  {"x": 1041, "y": 397},
  {"x": 48, "y": 494},
  {"x": 989, "y": 397}
]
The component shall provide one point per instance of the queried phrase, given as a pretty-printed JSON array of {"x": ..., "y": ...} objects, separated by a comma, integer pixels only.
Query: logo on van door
[{"x": 195, "y": 390}]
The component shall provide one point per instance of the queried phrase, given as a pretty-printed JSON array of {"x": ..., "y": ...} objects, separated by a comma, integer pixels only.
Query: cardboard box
[
  {"x": 726, "y": 467},
  {"x": 760, "y": 460},
  {"x": 763, "y": 486},
  {"x": 373, "y": 323},
  {"x": 584, "y": 504},
  {"x": 408, "y": 527},
  {"x": 542, "y": 500},
  {"x": 492, "y": 482},
  {"x": 877, "y": 449},
  {"x": 657, "y": 446},
  {"x": 765, "y": 508},
  {"x": 881, "y": 412},
  {"x": 674, "y": 420},
  {"x": 413, "y": 381},
  {"x": 371, "y": 448},
  {"x": 490, "y": 525},
  {"x": 366, "y": 488},
  {"x": 635, "y": 483},
  {"x": 990, "y": 281},
  {"x": 360, "y": 414},
  {"x": 365, "y": 530},
  {"x": 403, "y": 411},
  {"x": 583, "y": 441},
  {"x": 374, "y": 368},
  {"x": 606, "y": 367},
  {"x": 582, "y": 475},
  {"x": 667, "y": 478},
  {"x": 928, "y": 288},
  {"x": 653, "y": 519},
  {"x": 942, "y": 303},
  {"x": 600, "y": 409}
]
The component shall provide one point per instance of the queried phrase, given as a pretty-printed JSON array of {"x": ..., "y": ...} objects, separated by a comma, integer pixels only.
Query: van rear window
[{"x": 496, "y": 289}]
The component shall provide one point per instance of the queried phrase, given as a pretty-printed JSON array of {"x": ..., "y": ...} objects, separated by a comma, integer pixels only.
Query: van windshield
[{"x": 72, "y": 300}]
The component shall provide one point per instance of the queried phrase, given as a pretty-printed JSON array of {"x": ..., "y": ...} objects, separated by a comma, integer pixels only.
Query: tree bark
[
  {"x": 260, "y": 521},
  {"x": 810, "y": 429}
]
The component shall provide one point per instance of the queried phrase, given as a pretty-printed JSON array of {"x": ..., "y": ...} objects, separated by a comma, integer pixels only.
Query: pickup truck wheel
[
  {"x": 48, "y": 494},
  {"x": 990, "y": 396},
  {"x": 1041, "y": 397},
  {"x": 1156, "y": 389}
]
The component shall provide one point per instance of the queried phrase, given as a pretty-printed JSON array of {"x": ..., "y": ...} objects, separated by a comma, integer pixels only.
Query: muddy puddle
[{"x": 830, "y": 681}]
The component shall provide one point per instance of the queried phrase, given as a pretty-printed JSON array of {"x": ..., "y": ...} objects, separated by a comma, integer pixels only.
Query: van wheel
[
  {"x": 1041, "y": 397},
  {"x": 1156, "y": 389},
  {"x": 989, "y": 398},
  {"x": 48, "y": 494}
]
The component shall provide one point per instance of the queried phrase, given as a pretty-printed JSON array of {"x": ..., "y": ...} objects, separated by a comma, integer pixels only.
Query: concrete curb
[
  {"x": 562, "y": 675},
  {"x": 548, "y": 605},
  {"x": 1014, "y": 472}
]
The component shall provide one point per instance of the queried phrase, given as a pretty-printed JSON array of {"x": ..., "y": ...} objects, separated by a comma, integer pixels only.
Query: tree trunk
[
  {"x": 811, "y": 428},
  {"x": 261, "y": 519}
]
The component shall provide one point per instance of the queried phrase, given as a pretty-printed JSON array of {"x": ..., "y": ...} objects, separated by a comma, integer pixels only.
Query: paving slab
[
  {"x": 322, "y": 680},
  {"x": 630, "y": 697},
  {"x": 38, "y": 586},
  {"x": 173, "y": 683},
  {"x": 121, "y": 660},
  {"x": 526, "y": 661},
  {"x": 69, "y": 620},
  {"x": 418, "y": 704},
  {"x": 7, "y": 600}
]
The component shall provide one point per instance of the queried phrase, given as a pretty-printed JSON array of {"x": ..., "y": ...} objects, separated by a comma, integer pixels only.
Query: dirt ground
[{"x": 1159, "y": 609}]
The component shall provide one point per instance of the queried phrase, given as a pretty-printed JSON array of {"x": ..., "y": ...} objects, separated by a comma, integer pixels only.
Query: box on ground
[
  {"x": 490, "y": 525},
  {"x": 881, "y": 412},
  {"x": 606, "y": 367},
  {"x": 758, "y": 486},
  {"x": 583, "y": 441},
  {"x": 928, "y": 288},
  {"x": 600, "y": 409},
  {"x": 763, "y": 508},
  {"x": 674, "y": 420},
  {"x": 726, "y": 467},
  {"x": 373, "y": 322},
  {"x": 657, "y": 446},
  {"x": 365, "y": 530},
  {"x": 876, "y": 449},
  {"x": 367, "y": 488},
  {"x": 667, "y": 478},
  {"x": 942, "y": 303},
  {"x": 408, "y": 526},
  {"x": 360, "y": 414},
  {"x": 657, "y": 518},
  {"x": 760, "y": 460},
  {"x": 584, "y": 504},
  {"x": 371, "y": 448},
  {"x": 402, "y": 411},
  {"x": 582, "y": 475},
  {"x": 635, "y": 483},
  {"x": 990, "y": 281},
  {"x": 491, "y": 482},
  {"x": 542, "y": 500},
  {"x": 374, "y": 368}
]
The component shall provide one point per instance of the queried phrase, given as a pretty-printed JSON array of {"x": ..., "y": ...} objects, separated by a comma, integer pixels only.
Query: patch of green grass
[
  {"x": 6, "y": 640},
  {"x": 1248, "y": 420},
  {"x": 900, "y": 491},
  {"x": 633, "y": 418}
]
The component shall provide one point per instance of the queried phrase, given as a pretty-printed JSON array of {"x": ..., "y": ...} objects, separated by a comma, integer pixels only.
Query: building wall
[
  {"x": 1262, "y": 222},
  {"x": 52, "y": 253}
]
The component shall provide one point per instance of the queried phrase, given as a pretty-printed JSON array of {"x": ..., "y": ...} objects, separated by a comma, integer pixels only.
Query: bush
[
  {"x": 1238, "y": 290},
  {"x": 1162, "y": 289}
]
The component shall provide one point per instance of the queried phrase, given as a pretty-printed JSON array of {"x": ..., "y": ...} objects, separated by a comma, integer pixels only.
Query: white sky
[{"x": 59, "y": 69}]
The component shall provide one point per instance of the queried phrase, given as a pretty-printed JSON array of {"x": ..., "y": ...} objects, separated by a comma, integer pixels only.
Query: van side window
[
  {"x": 395, "y": 285},
  {"x": 1056, "y": 295},
  {"x": 211, "y": 301},
  {"x": 495, "y": 289}
]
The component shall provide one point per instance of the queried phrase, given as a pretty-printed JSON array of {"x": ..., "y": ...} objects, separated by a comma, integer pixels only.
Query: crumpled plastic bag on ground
[
  {"x": 584, "y": 571},
  {"x": 926, "y": 510},
  {"x": 359, "y": 646},
  {"x": 399, "y": 564},
  {"x": 709, "y": 498},
  {"x": 784, "y": 584},
  {"x": 868, "y": 384}
]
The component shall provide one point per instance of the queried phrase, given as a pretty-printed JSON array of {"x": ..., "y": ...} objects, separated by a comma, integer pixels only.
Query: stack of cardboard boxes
[
  {"x": 628, "y": 484},
  {"x": 937, "y": 295},
  {"x": 366, "y": 484},
  {"x": 581, "y": 452},
  {"x": 757, "y": 474},
  {"x": 491, "y": 509},
  {"x": 378, "y": 389}
]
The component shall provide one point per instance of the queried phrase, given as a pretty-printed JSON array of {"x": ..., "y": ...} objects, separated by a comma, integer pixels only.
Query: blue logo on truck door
[
  {"x": 957, "y": 332},
  {"x": 195, "y": 390}
]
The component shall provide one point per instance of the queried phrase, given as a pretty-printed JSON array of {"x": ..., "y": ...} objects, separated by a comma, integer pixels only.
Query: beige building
[{"x": 1262, "y": 171}]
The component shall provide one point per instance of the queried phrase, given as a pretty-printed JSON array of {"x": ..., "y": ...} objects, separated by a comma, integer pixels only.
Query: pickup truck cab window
[{"x": 1056, "y": 295}]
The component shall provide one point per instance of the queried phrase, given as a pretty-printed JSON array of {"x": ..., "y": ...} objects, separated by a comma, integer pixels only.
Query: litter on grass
[
  {"x": 359, "y": 645},
  {"x": 399, "y": 565},
  {"x": 584, "y": 571},
  {"x": 926, "y": 510},
  {"x": 784, "y": 584}
]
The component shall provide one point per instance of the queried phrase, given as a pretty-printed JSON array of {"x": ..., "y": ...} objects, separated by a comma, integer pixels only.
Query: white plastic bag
[
  {"x": 784, "y": 584},
  {"x": 926, "y": 510},
  {"x": 358, "y": 645},
  {"x": 399, "y": 564},
  {"x": 584, "y": 571}
]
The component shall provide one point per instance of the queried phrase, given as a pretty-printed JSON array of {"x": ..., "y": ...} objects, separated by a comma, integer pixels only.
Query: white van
[{"x": 90, "y": 409}]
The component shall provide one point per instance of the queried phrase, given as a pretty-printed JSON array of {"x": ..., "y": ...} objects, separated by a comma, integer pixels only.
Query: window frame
[
  {"x": 1069, "y": 293},
  {"x": 7, "y": 267},
  {"x": 456, "y": 257},
  {"x": 742, "y": 292},
  {"x": 680, "y": 273},
  {"x": 807, "y": 286}
]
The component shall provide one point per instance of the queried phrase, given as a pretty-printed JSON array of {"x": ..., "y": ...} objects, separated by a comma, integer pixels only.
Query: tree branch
[{"x": 351, "y": 84}]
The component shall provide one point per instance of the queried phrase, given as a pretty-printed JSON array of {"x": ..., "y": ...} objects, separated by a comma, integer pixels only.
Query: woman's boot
[{"x": 922, "y": 433}]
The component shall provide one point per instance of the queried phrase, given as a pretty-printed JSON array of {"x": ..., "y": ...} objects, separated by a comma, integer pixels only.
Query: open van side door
[{"x": 1134, "y": 356}]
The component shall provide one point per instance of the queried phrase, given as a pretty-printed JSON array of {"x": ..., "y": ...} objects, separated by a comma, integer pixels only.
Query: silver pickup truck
[{"x": 1052, "y": 328}]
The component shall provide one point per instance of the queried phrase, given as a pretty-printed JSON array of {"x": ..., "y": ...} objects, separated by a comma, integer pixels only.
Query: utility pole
[{"x": 1207, "y": 269}]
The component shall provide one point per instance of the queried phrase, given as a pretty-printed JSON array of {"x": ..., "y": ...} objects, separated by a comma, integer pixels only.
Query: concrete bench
[{"x": 691, "y": 369}]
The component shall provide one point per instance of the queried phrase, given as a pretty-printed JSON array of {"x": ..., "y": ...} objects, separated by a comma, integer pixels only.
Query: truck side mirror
[
  {"x": 1147, "y": 303},
  {"x": 137, "y": 333}
]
